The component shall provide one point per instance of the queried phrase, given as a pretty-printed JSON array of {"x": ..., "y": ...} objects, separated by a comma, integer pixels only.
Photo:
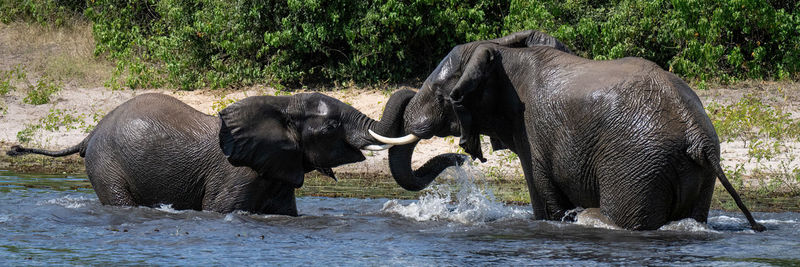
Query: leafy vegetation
[
  {"x": 700, "y": 39},
  {"x": 56, "y": 120},
  {"x": 40, "y": 93},
  {"x": 765, "y": 130},
  {"x": 8, "y": 77},
  {"x": 222, "y": 103},
  {"x": 214, "y": 43},
  {"x": 750, "y": 119},
  {"x": 44, "y": 12}
]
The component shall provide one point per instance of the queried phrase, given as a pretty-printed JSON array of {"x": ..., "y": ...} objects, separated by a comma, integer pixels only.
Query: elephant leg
[
  {"x": 109, "y": 184},
  {"x": 536, "y": 201},
  {"x": 640, "y": 203},
  {"x": 279, "y": 199},
  {"x": 703, "y": 203},
  {"x": 549, "y": 203}
]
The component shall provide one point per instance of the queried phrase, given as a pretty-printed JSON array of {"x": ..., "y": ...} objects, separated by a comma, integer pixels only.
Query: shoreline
[{"x": 376, "y": 185}]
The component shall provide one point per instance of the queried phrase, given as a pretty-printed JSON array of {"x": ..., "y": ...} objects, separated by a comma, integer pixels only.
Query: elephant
[
  {"x": 623, "y": 135},
  {"x": 155, "y": 149}
]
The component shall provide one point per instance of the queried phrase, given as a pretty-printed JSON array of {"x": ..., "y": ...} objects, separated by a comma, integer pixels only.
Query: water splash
[
  {"x": 687, "y": 225},
  {"x": 69, "y": 202},
  {"x": 472, "y": 204},
  {"x": 239, "y": 215},
  {"x": 741, "y": 224},
  {"x": 169, "y": 209},
  {"x": 775, "y": 221},
  {"x": 229, "y": 217},
  {"x": 594, "y": 217}
]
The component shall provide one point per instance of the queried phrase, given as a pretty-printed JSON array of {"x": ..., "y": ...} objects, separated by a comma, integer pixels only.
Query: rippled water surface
[{"x": 48, "y": 220}]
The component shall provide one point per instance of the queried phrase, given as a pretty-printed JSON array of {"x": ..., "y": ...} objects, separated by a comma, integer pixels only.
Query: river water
[{"x": 46, "y": 220}]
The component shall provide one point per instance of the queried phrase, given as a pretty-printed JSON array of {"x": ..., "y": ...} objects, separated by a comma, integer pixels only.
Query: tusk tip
[{"x": 376, "y": 147}]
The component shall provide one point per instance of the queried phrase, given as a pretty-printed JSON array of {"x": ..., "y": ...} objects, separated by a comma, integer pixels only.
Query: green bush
[
  {"x": 40, "y": 93},
  {"x": 44, "y": 12},
  {"x": 214, "y": 43},
  {"x": 700, "y": 39}
]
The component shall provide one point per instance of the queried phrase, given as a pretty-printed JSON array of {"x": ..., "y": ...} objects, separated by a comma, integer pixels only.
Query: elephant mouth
[
  {"x": 430, "y": 131},
  {"x": 423, "y": 130}
]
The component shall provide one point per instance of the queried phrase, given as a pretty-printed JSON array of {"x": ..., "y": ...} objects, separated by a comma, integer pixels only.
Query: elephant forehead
[
  {"x": 321, "y": 109},
  {"x": 446, "y": 69}
]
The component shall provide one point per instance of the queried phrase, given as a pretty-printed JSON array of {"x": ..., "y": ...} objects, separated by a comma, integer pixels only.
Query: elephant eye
[
  {"x": 439, "y": 97},
  {"x": 329, "y": 127}
]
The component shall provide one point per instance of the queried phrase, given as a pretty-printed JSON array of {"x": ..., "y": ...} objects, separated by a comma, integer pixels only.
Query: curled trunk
[
  {"x": 415, "y": 180},
  {"x": 391, "y": 124}
]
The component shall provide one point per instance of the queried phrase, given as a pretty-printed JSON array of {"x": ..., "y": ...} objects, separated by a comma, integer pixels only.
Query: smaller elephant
[{"x": 155, "y": 149}]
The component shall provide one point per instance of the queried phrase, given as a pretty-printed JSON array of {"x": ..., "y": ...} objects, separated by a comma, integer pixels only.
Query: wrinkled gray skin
[
  {"x": 154, "y": 149},
  {"x": 622, "y": 135}
]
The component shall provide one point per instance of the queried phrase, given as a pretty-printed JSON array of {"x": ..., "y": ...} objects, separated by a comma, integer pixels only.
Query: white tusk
[
  {"x": 394, "y": 141},
  {"x": 377, "y": 147}
]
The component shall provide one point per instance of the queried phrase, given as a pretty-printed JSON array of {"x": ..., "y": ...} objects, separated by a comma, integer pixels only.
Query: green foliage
[
  {"x": 58, "y": 118},
  {"x": 97, "y": 115},
  {"x": 222, "y": 103},
  {"x": 700, "y": 39},
  {"x": 5, "y": 83},
  {"x": 761, "y": 149},
  {"x": 44, "y": 12},
  {"x": 750, "y": 118},
  {"x": 7, "y": 77},
  {"x": 41, "y": 92},
  {"x": 55, "y": 120},
  {"x": 215, "y": 43},
  {"x": 26, "y": 135}
]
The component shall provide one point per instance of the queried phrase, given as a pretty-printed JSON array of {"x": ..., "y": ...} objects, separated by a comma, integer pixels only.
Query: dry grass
[{"x": 61, "y": 53}]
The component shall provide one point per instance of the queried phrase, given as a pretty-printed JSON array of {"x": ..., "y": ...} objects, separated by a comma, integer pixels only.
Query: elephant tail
[
  {"x": 714, "y": 161},
  {"x": 18, "y": 150}
]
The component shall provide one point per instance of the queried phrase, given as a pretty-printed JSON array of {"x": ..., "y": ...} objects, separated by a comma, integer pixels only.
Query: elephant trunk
[
  {"x": 415, "y": 180},
  {"x": 358, "y": 135},
  {"x": 392, "y": 124}
]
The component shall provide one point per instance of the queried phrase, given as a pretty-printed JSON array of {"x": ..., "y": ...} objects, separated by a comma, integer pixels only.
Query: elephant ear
[
  {"x": 256, "y": 132},
  {"x": 475, "y": 72}
]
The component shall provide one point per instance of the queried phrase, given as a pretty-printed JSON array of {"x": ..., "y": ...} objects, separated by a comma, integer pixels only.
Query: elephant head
[
  {"x": 284, "y": 137},
  {"x": 441, "y": 107}
]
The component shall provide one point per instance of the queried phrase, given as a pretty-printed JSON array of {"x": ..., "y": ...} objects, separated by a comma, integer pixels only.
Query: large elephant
[
  {"x": 154, "y": 149},
  {"x": 622, "y": 135}
]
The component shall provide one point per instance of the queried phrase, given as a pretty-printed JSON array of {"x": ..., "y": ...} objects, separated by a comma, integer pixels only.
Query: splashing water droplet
[
  {"x": 472, "y": 204},
  {"x": 687, "y": 225},
  {"x": 594, "y": 217},
  {"x": 69, "y": 202},
  {"x": 168, "y": 209}
]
